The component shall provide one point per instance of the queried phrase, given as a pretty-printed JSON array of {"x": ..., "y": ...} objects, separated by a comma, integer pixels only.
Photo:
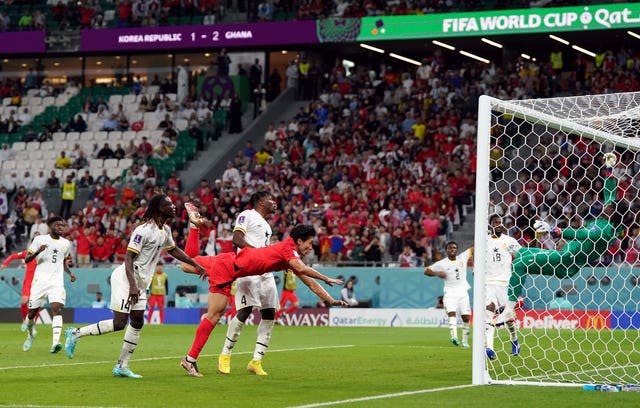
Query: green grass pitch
[{"x": 307, "y": 366}]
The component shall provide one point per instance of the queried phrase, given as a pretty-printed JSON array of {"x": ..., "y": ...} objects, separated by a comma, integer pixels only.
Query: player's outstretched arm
[
  {"x": 431, "y": 272},
  {"x": 300, "y": 269},
  {"x": 320, "y": 291}
]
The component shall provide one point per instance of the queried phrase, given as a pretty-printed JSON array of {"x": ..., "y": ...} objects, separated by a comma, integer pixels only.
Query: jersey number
[
  {"x": 125, "y": 306},
  {"x": 243, "y": 300},
  {"x": 497, "y": 257},
  {"x": 457, "y": 274},
  {"x": 54, "y": 258}
]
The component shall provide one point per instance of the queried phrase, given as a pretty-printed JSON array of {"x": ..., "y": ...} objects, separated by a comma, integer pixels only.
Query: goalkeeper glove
[
  {"x": 556, "y": 233},
  {"x": 610, "y": 161},
  {"x": 543, "y": 227}
]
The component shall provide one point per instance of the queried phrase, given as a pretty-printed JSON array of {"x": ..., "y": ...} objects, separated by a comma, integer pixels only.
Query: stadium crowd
[{"x": 381, "y": 162}]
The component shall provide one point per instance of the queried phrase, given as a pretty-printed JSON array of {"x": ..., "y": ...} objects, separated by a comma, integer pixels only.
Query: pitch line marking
[
  {"x": 384, "y": 396},
  {"x": 170, "y": 357},
  {"x": 593, "y": 370}
]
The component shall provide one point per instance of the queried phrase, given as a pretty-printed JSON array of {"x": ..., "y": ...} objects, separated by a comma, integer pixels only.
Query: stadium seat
[
  {"x": 31, "y": 146},
  {"x": 86, "y": 136},
  {"x": 48, "y": 145},
  {"x": 49, "y": 100},
  {"x": 73, "y": 136},
  {"x": 23, "y": 164},
  {"x": 114, "y": 100},
  {"x": 6, "y": 101},
  {"x": 128, "y": 100},
  {"x": 8, "y": 165},
  {"x": 172, "y": 97},
  {"x": 114, "y": 137},
  {"x": 125, "y": 163},
  {"x": 18, "y": 146},
  {"x": 34, "y": 101},
  {"x": 39, "y": 163},
  {"x": 111, "y": 163},
  {"x": 59, "y": 137},
  {"x": 181, "y": 124},
  {"x": 128, "y": 135},
  {"x": 100, "y": 136},
  {"x": 114, "y": 173},
  {"x": 50, "y": 155}
]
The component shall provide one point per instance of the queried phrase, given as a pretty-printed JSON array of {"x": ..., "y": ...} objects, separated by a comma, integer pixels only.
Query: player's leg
[
  {"x": 269, "y": 300},
  {"x": 150, "y": 306},
  {"x": 131, "y": 337},
  {"x": 216, "y": 304},
  {"x": 56, "y": 326},
  {"x": 490, "y": 330},
  {"x": 37, "y": 300},
  {"x": 294, "y": 303},
  {"x": 501, "y": 297},
  {"x": 465, "y": 313},
  {"x": 121, "y": 309},
  {"x": 161, "y": 308},
  {"x": 247, "y": 297},
  {"x": 283, "y": 303},
  {"x": 450, "y": 307}
]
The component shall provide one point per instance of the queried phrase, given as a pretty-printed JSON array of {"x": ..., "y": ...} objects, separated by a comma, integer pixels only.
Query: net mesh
[{"x": 579, "y": 321}]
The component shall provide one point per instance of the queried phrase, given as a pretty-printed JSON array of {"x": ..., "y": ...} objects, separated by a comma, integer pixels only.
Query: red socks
[
  {"x": 192, "y": 248},
  {"x": 202, "y": 335}
]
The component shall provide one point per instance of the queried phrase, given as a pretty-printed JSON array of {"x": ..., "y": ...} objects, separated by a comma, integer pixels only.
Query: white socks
[
  {"x": 490, "y": 330},
  {"x": 56, "y": 327},
  {"x": 131, "y": 337},
  {"x": 30, "y": 324},
  {"x": 453, "y": 327},
  {"x": 233, "y": 332},
  {"x": 264, "y": 337},
  {"x": 465, "y": 333},
  {"x": 512, "y": 331},
  {"x": 96, "y": 329}
]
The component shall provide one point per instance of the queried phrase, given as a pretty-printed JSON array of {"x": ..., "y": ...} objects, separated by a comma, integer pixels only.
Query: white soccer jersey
[
  {"x": 256, "y": 229},
  {"x": 456, "y": 271},
  {"x": 50, "y": 262},
  {"x": 500, "y": 252},
  {"x": 147, "y": 240}
]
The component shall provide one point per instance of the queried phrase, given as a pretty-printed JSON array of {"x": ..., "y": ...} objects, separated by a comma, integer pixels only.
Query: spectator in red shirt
[
  {"x": 83, "y": 247},
  {"x": 109, "y": 194},
  {"x": 100, "y": 252},
  {"x": 145, "y": 149}
]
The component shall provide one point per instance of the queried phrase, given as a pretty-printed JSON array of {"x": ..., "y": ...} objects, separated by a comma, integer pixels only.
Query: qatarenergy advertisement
[{"x": 356, "y": 317}]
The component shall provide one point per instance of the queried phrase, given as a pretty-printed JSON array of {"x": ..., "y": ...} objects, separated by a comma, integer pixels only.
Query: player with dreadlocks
[{"x": 130, "y": 281}]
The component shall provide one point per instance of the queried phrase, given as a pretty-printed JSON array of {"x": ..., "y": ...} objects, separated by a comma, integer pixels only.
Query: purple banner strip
[
  {"x": 199, "y": 36},
  {"x": 22, "y": 42}
]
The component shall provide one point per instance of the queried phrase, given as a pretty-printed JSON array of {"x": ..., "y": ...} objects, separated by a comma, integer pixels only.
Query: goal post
[{"x": 542, "y": 160}]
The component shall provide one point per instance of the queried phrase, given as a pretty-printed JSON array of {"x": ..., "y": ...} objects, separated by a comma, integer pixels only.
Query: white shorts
[
  {"x": 120, "y": 293},
  {"x": 457, "y": 303},
  {"x": 256, "y": 291},
  {"x": 41, "y": 293},
  {"x": 496, "y": 294}
]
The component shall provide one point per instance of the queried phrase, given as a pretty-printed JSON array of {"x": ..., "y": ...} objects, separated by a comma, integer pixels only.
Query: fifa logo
[{"x": 597, "y": 322}]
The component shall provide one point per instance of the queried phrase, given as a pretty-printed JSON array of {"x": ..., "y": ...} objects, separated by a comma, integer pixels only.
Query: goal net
[{"x": 543, "y": 162}]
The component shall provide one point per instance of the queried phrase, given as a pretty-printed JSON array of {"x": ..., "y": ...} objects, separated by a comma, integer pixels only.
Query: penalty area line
[
  {"x": 170, "y": 357},
  {"x": 384, "y": 396}
]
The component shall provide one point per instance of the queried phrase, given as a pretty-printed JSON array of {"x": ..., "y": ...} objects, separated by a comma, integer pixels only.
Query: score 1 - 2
[{"x": 214, "y": 36}]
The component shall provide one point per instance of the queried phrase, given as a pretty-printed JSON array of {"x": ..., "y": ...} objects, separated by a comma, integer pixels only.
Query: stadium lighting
[
  {"x": 584, "y": 51},
  {"x": 474, "y": 56},
  {"x": 444, "y": 45},
  {"x": 488, "y": 41},
  {"x": 372, "y": 48},
  {"x": 405, "y": 59},
  {"x": 558, "y": 39},
  {"x": 206, "y": 54},
  {"x": 631, "y": 33},
  {"x": 526, "y": 56}
]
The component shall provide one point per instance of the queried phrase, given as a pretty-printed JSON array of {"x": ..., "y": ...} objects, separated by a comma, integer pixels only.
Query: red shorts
[
  {"x": 221, "y": 271},
  {"x": 156, "y": 300},
  {"x": 288, "y": 296}
]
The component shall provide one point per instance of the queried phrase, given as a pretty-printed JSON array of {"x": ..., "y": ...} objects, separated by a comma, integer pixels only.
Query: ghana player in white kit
[
  {"x": 501, "y": 249},
  {"x": 453, "y": 269},
  {"x": 51, "y": 253},
  {"x": 252, "y": 230},
  {"x": 130, "y": 281}
]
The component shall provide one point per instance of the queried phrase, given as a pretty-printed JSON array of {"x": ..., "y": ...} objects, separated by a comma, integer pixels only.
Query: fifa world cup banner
[
  {"x": 563, "y": 319},
  {"x": 356, "y": 317}
]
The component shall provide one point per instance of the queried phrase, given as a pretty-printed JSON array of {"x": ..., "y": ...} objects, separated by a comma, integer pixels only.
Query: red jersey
[
  {"x": 223, "y": 269},
  {"x": 29, "y": 270}
]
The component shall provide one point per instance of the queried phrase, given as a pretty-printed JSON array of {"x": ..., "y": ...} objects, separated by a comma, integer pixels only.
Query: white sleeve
[
  {"x": 242, "y": 222},
  {"x": 137, "y": 240},
  {"x": 438, "y": 267},
  {"x": 35, "y": 244},
  {"x": 168, "y": 242}
]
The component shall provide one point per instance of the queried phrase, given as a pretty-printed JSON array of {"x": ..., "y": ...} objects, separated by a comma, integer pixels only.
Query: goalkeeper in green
[{"x": 583, "y": 245}]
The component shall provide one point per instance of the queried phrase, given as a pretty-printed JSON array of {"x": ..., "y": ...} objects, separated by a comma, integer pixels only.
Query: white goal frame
[{"x": 487, "y": 104}]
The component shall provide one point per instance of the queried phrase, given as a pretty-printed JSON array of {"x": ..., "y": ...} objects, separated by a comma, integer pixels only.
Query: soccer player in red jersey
[
  {"x": 30, "y": 269},
  {"x": 225, "y": 268}
]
